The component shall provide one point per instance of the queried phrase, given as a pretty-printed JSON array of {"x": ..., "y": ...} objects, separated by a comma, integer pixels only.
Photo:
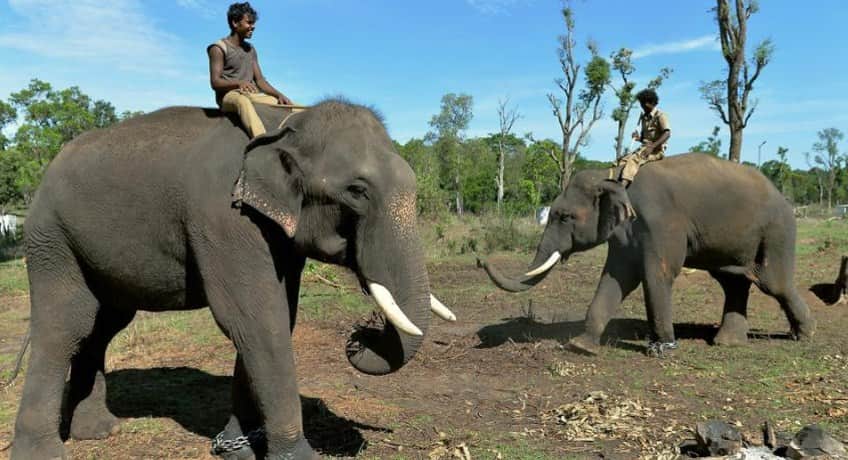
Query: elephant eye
[
  {"x": 564, "y": 218},
  {"x": 357, "y": 191}
]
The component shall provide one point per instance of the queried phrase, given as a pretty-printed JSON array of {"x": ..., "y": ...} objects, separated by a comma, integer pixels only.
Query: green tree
[
  {"x": 48, "y": 119},
  {"x": 784, "y": 173},
  {"x": 540, "y": 170},
  {"x": 828, "y": 159},
  {"x": 578, "y": 110},
  {"x": 506, "y": 119},
  {"x": 8, "y": 114},
  {"x": 514, "y": 157},
  {"x": 479, "y": 169},
  {"x": 449, "y": 136},
  {"x": 432, "y": 200},
  {"x": 626, "y": 95},
  {"x": 729, "y": 97},
  {"x": 710, "y": 146}
]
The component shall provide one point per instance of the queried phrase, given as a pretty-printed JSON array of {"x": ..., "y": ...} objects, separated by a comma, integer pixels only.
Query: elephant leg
[
  {"x": 63, "y": 315},
  {"x": 775, "y": 279},
  {"x": 91, "y": 419},
  {"x": 292, "y": 277},
  {"x": 618, "y": 279},
  {"x": 245, "y": 417},
  {"x": 734, "y": 320},
  {"x": 250, "y": 307},
  {"x": 659, "y": 278}
]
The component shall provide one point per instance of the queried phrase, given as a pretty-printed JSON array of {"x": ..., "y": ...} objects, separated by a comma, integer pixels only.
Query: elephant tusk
[
  {"x": 440, "y": 309},
  {"x": 393, "y": 313},
  {"x": 545, "y": 266}
]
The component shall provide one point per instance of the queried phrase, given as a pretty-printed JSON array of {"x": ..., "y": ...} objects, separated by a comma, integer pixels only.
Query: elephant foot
[
  {"x": 733, "y": 331},
  {"x": 230, "y": 445},
  {"x": 585, "y": 345},
  {"x": 244, "y": 453},
  {"x": 731, "y": 337},
  {"x": 300, "y": 451},
  {"x": 25, "y": 449},
  {"x": 90, "y": 423},
  {"x": 804, "y": 331}
]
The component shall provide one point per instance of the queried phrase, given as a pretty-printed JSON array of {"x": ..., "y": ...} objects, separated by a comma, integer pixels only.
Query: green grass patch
[
  {"x": 519, "y": 450},
  {"x": 13, "y": 278},
  {"x": 821, "y": 235},
  {"x": 146, "y": 425}
]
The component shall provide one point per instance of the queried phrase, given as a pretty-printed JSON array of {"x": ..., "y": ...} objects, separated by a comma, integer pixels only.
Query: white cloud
[
  {"x": 201, "y": 6},
  {"x": 705, "y": 42},
  {"x": 493, "y": 6},
  {"x": 116, "y": 33}
]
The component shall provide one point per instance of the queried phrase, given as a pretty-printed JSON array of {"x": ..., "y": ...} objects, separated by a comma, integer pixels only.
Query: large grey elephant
[
  {"x": 692, "y": 210},
  {"x": 174, "y": 210}
]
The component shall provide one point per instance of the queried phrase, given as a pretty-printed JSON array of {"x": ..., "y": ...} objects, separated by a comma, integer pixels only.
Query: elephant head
[
  {"x": 332, "y": 181},
  {"x": 584, "y": 215}
]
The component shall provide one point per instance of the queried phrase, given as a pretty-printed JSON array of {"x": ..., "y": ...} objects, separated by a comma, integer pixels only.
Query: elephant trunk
[
  {"x": 386, "y": 342},
  {"x": 542, "y": 264},
  {"x": 512, "y": 284}
]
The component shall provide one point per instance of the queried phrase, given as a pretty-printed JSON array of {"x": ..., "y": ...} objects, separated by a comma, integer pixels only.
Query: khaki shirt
[{"x": 653, "y": 124}]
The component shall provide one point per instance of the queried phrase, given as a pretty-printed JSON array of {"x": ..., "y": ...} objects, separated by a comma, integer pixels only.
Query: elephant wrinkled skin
[
  {"x": 173, "y": 211},
  {"x": 692, "y": 210}
]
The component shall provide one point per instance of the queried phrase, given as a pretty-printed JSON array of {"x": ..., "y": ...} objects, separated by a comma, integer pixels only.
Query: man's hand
[
  {"x": 635, "y": 135},
  {"x": 283, "y": 100},
  {"x": 247, "y": 87}
]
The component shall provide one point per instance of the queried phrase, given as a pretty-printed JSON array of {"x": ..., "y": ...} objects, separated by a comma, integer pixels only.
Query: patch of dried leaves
[{"x": 602, "y": 417}]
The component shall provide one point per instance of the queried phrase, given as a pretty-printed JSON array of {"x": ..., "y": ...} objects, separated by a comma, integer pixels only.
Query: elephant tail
[{"x": 20, "y": 359}]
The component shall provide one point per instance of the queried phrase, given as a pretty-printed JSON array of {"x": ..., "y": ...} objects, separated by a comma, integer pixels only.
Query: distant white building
[
  {"x": 542, "y": 215},
  {"x": 8, "y": 224}
]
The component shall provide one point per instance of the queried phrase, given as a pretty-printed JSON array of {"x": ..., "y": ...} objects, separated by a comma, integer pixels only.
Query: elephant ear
[
  {"x": 271, "y": 179},
  {"x": 613, "y": 207}
]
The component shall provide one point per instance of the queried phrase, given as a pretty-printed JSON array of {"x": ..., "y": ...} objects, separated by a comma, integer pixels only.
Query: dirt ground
[{"x": 498, "y": 383}]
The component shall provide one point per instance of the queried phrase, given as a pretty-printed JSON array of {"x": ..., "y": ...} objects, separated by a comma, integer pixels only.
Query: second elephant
[{"x": 693, "y": 210}]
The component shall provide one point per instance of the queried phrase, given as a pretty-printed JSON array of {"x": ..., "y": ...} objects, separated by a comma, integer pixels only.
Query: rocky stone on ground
[
  {"x": 718, "y": 438},
  {"x": 813, "y": 442}
]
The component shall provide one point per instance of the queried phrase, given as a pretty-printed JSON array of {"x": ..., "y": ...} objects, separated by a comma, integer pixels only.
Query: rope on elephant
[{"x": 295, "y": 108}]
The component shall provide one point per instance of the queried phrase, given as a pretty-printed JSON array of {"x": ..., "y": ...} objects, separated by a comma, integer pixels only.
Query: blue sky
[{"x": 402, "y": 56}]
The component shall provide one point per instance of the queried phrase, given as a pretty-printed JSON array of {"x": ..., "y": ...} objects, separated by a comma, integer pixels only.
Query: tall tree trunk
[
  {"x": 456, "y": 183},
  {"x": 500, "y": 177},
  {"x": 619, "y": 137},
  {"x": 735, "y": 111}
]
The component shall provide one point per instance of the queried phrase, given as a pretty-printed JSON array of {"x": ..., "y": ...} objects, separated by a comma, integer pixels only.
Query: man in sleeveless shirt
[
  {"x": 654, "y": 134},
  {"x": 234, "y": 71}
]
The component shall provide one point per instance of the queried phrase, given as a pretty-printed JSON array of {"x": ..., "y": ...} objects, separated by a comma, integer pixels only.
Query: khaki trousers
[
  {"x": 242, "y": 103},
  {"x": 633, "y": 161}
]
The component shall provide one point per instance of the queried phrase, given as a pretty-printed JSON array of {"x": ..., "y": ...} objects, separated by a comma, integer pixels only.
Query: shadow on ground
[
  {"x": 528, "y": 330},
  {"x": 200, "y": 403},
  {"x": 828, "y": 293}
]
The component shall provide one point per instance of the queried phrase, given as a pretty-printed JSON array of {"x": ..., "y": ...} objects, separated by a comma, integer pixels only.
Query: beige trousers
[
  {"x": 633, "y": 161},
  {"x": 242, "y": 103}
]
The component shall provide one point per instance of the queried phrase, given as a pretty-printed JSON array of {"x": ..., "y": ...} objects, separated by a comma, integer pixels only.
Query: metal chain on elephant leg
[
  {"x": 223, "y": 446},
  {"x": 658, "y": 349}
]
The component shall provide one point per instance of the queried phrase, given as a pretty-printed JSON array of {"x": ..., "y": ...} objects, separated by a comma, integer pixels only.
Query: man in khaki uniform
[
  {"x": 655, "y": 131},
  {"x": 234, "y": 71}
]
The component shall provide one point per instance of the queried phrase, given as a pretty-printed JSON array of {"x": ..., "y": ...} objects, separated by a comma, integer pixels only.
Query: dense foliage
[
  {"x": 452, "y": 169},
  {"x": 44, "y": 119}
]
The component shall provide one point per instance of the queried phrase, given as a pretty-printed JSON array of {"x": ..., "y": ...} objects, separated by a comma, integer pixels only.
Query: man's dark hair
[
  {"x": 648, "y": 96},
  {"x": 238, "y": 11}
]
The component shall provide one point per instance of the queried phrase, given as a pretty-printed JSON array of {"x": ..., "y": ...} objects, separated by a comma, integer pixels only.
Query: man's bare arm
[
  {"x": 266, "y": 87},
  {"x": 652, "y": 147}
]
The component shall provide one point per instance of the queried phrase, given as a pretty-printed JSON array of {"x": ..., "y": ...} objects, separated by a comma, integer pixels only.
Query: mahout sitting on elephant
[
  {"x": 692, "y": 210},
  {"x": 174, "y": 210}
]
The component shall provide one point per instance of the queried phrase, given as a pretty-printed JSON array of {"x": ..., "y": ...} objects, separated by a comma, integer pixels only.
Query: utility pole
[{"x": 759, "y": 149}]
